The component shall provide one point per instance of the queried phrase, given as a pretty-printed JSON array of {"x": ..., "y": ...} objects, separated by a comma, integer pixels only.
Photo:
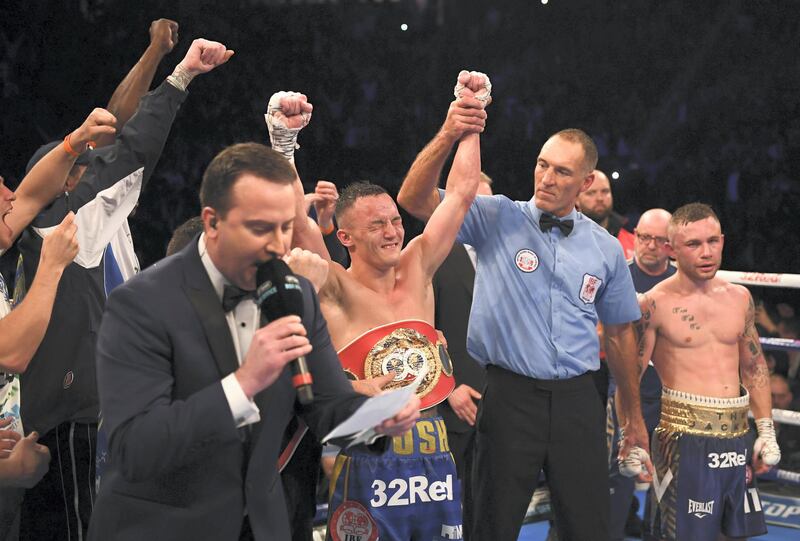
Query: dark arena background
[{"x": 687, "y": 101}]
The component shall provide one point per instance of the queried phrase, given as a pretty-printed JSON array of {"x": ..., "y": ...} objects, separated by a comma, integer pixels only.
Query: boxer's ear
[{"x": 344, "y": 237}]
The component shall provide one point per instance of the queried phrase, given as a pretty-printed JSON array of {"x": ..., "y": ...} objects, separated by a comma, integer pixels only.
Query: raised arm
[
  {"x": 23, "y": 329},
  {"x": 125, "y": 100},
  {"x": 755, "y": 378},
  {"x": 306, "y": 234},
  {"x": 45, "y": 181},
  {"x": 287, "y": 114},
  {"x": 324, "y": 199},
  {"x": 442, "y": 228},
  {"x": 418, "y": 194},
  {"x": 462, "y": 184}
]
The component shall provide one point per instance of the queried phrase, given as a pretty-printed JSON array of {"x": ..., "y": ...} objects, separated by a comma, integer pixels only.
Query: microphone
[{"x": 279, "y": 294}]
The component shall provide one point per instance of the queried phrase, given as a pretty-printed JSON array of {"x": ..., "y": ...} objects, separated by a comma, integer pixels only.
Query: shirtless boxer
[
  {"x": 699, "y": 332},
  {"x": 380, "y": 317}
]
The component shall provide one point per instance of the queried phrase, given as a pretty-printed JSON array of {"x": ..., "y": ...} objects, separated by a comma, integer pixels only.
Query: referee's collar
[{"x": 536, "y": 212}]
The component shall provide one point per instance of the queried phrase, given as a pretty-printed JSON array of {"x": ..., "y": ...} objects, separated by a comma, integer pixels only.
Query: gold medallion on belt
[{"x": 408, "y": 349}]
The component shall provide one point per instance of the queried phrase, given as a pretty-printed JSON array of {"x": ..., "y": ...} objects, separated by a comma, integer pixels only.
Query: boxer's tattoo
[
  {"x": 755, "y": 374},
  {"x": 641, "y": 326},
  {"x": 684, "y": 314}
]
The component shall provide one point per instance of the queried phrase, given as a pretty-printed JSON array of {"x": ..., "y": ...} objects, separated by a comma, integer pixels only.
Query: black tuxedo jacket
[
  {"x": 179, "y": 468},
  {"x": 452, "y": 288}
]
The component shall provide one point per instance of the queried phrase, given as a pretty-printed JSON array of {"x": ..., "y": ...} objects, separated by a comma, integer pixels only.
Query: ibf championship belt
[{"x": 406, "y": 348}]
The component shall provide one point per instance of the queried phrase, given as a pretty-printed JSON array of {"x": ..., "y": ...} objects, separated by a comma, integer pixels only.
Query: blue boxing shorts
[
  {"x": 410, "y": 492},
  {"x": 704, "y": 484}
]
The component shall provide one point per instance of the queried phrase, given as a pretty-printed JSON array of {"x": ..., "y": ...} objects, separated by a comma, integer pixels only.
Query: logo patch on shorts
[
  {"x": 701, "y": 509},
  {"x": 526, "y": 260},
  {"x": 452, "y": 532},
  {"x": 352, "y": 522},
  {"x": 589, "y": 288}
]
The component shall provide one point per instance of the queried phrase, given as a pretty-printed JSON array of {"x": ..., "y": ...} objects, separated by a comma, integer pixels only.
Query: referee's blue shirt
[{"x": 538, "y": 295}]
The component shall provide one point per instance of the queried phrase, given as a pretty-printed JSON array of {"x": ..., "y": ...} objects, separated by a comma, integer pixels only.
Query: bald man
[
  {"x": 597, "y": 202},
  {"x": 650, "y": 265}
]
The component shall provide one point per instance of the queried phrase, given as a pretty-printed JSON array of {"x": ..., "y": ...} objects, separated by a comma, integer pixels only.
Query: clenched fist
[
  {"x": 163, "y": 35},
  {"x": 203, "y": 56}
]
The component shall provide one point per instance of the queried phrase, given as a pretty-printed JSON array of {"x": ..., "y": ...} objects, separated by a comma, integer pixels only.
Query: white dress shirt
[{"x": 242, "y": 322}]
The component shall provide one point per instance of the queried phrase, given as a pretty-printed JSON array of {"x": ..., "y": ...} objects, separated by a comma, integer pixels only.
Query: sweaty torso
[
  {"x": 697, "y": 337},
  {"x": 354, "y": 308}
]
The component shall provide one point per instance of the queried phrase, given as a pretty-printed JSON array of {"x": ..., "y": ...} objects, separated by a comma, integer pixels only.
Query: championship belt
[{"x": 406, "y": 348}]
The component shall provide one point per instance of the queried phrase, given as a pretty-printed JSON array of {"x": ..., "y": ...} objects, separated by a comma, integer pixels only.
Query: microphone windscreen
[{"x": 278, "y": 292}]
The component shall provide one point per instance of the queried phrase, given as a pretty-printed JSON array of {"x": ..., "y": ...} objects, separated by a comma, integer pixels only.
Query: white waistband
[{"x": 710, "y": 401}]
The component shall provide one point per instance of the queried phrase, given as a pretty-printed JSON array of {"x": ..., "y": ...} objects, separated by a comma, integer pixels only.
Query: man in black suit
[{"x": 195, "y": 396}]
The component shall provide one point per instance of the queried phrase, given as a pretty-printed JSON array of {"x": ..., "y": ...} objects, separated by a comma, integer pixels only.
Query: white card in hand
[{"x": 376, "y": 410}]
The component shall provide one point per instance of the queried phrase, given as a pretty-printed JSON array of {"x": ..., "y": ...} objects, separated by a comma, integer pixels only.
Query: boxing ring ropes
[{"x": 781, "y": 510}]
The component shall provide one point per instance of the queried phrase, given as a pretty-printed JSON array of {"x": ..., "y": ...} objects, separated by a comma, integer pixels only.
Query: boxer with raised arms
[{"x": 380, "y": 316}]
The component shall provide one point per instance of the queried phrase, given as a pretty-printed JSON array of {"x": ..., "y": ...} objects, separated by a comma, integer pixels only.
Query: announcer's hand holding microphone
[
  {"x": 282, "y": 339},
  {"x": 282, "y": 336}
]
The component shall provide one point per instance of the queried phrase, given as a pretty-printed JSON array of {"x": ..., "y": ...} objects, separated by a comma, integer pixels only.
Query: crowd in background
[{"x": 687, "y": 103}]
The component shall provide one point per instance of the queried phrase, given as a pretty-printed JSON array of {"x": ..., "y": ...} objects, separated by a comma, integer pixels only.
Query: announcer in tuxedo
[{"x": 195, "y": 396}]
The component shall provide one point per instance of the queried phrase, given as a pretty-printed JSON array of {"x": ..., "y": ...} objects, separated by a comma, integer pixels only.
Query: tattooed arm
[
  {"x": 752, "y": 365},
  {"x": 755, "y": 377},
  {"x": 645, "y": 341},
  {"x": 645, "y": 331}
]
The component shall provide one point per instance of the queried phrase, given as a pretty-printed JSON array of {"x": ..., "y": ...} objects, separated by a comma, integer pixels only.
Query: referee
[{"x": 545, "y": 275}]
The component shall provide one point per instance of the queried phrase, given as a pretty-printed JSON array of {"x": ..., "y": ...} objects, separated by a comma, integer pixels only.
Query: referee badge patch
[
  {"x": 526, "y": 260},
  {"x": 589, "y": 288}
]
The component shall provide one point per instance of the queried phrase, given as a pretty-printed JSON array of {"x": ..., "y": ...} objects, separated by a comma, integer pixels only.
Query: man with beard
[{"x": 598, "y": 204}]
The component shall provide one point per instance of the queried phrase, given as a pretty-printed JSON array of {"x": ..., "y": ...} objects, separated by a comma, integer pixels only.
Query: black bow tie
[
  {"x": 547, "y": 222},
  {"x": 232, "y": 295}
]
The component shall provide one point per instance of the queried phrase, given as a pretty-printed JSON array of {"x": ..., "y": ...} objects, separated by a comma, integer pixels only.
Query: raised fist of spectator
[
  {"x": 203, "y": 56},
  {"x": 163, "y": 35}
]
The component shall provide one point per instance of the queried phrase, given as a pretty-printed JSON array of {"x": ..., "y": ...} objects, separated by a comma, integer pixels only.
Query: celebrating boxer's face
[
  {"x": 697, "y": 248},
  {"x": 6, "y": 197},
  {"x": 373, "y": 231},
  {"x": 256, "y": 228},
  {"x": 560, "y": 175}
]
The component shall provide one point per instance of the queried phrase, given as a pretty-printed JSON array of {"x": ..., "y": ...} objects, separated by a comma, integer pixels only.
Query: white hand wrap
[
  {"x": 766, "y": 445},
  {"x": 634, "y": 463},
  {"x": 481, "y": 95},
  {"x": 283, "y": 138}
]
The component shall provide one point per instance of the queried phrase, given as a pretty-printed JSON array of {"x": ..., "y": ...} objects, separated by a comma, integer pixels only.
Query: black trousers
[
  {"x": 526, "y": 425},
  {"x": 299, "y": 480},
  {"x": 462, "y": 446},
  {"x": 59, "y": 507}
]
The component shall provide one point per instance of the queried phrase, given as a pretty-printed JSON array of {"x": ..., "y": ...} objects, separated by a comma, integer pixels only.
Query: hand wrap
[
  {"x": 283, "y": 138},
  {"x": 766, "y": 445}
]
